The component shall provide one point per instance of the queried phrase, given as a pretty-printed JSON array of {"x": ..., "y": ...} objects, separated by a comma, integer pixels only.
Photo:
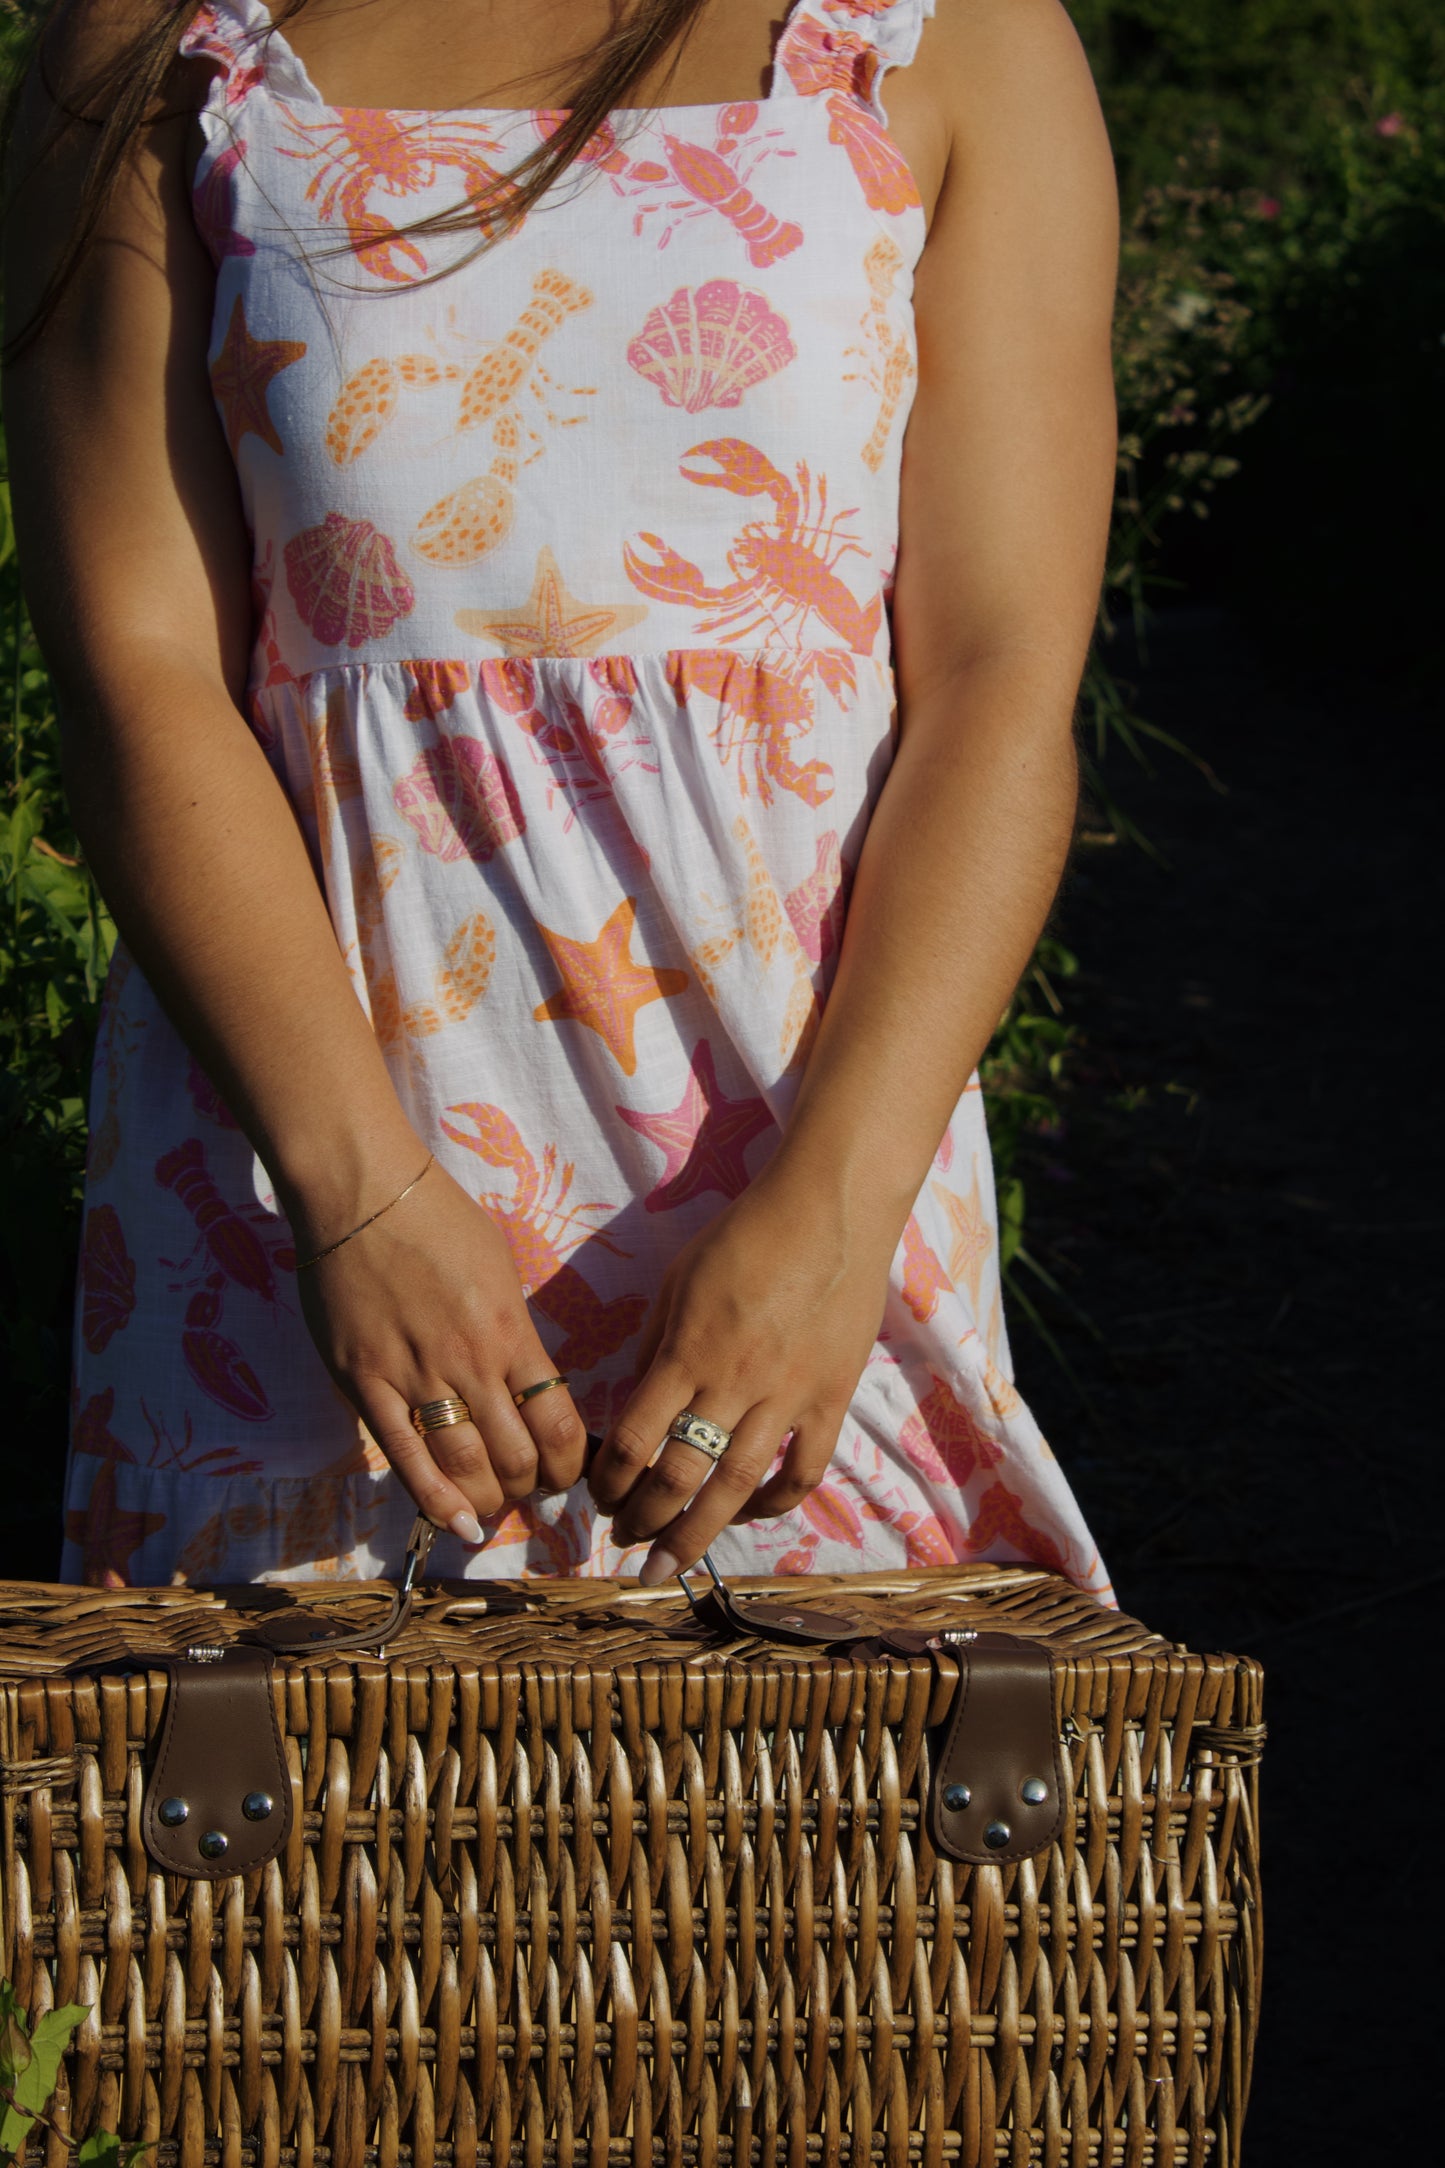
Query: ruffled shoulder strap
[
  {"x": 846, "y": 45},
  {"x": 240, "y": 37}
]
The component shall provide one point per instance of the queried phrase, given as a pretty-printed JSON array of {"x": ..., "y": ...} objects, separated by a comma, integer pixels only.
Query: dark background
[{"x": 1221, "y": 1167}]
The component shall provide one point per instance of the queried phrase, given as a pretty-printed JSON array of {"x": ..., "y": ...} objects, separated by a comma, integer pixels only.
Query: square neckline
[{"x": 270, "y": 39}]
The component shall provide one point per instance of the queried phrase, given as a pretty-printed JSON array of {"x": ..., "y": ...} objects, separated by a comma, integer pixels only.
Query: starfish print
[
  {"x": 603, "y": 987},
  {"x": 107, "y": 1533},
  {"x": 551, "y": 621},
  {"x": 703, "y": 1137},
  {"x": 241, "y": 375}
]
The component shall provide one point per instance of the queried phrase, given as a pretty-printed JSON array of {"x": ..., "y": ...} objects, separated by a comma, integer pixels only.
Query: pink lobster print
[
  {"x": 542, "y": 1230},
  {"x": 713, "y": 178},
  {"x": 236, "y": 1251}
]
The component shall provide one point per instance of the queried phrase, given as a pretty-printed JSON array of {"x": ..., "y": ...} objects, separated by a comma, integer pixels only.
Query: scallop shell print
[
  {"x": 345, "y": 581},
  {"x": 709, "y": 344}
]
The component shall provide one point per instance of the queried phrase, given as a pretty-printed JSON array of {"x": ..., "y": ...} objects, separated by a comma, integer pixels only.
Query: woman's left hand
[{"x": 763, "y": 1324}]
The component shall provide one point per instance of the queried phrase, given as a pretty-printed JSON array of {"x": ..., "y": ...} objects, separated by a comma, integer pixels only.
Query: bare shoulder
[
  {"x": 978, "y": 49},
  {"x": 997, "y": 83}
]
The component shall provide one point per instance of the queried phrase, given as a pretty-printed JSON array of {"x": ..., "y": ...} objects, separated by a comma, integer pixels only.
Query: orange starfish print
[
  {"x": 241, "y": 377},
  {"x": 603, "y": 987}
]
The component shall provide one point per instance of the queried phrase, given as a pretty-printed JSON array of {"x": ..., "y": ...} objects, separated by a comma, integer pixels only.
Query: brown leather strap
[
  {"x": 1001, "y": 1779},
  {"x": 219, "y": 1798}
]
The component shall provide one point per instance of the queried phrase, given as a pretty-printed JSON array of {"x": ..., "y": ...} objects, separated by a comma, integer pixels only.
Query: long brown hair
[{"x": 127, "y": 94}]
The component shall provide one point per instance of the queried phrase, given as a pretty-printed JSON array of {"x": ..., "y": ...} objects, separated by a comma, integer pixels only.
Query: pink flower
[
  {"x": 1391, "y": 125},
  {"x": 1267, "y": 207}
]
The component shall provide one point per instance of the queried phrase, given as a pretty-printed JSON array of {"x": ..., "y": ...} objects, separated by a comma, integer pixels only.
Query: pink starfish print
[{"x": 703, "y": 1137}]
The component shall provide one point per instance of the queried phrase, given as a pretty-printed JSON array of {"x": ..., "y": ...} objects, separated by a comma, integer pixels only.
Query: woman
[{"x": 495, "y": 634}]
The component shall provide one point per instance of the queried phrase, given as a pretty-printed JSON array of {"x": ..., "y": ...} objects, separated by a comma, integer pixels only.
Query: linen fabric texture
[{"x": 572, "y": 574}]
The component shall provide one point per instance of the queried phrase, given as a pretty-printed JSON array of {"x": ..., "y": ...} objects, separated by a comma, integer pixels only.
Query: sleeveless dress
[{"x": 572, "y": 578}]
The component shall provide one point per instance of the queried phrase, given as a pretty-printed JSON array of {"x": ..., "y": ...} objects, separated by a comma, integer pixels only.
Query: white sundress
[{"x": 572, "y": 577}]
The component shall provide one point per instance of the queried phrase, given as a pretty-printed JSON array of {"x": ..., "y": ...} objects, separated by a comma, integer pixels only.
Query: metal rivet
[
  {"x": 256, "y": 1806},
  {"x": 213, "y": 1843},
  {"x": 997, "y": 1835},
  {"x": 787, "y": 1619},
  {"x": 1033, "y": 1791},
  {"x": 172, "y": 1812},
  {"x": 956, "y": 1795}
]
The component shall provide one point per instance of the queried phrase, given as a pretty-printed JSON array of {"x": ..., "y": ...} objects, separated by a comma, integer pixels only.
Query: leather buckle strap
[
  {"x": 219, "y": 1797},
  {"x": 1000, "y": 1778}
]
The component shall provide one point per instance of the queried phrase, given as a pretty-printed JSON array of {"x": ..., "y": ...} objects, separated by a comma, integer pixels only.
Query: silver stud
[
  {"x": 789, "y": 1619},
  {"x": 256, "y": 1806},
  {"x": 997, "y": 1835},
  {"x": 172, "y": 1812},
  {"x": 213, "y": 1844},
  {"x": 956, "y": 1796},
  {"x": 1033, "y": 1791}
]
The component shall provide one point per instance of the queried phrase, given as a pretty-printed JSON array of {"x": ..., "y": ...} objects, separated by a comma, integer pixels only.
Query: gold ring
[
  {"x": 709, "y": 1438},
  {"x": 439, "y": 1415},
  {"x": 543, "y": 1385}
]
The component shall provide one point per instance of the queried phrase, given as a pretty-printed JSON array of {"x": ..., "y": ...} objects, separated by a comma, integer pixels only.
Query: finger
[
  {"x": 663, "y": 1390},
  {"x": 387, "y": 1415},
  {"x": 507, "y": 1444},
  {"x": 673, "y": 1479},
  {"x": 806, "y": 1460},
  {"x": 557, "y": 1430},
  {"x": 681, "y": 1544}
]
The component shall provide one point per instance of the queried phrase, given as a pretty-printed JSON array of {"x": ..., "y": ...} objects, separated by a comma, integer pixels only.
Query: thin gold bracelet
[{"x": 307, "y": 1262}]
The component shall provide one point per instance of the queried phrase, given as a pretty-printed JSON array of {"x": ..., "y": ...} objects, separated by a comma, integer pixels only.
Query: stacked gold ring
[{"x": 439, "y": 1415}]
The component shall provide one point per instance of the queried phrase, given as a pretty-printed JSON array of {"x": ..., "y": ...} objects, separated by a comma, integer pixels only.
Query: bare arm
[
  {"x": 1007, "y": 484},
  {"x": 137, "y": 568}
]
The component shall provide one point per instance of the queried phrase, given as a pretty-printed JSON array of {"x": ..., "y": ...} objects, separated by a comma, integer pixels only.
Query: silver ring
[{"x": 709, "y": 1438}]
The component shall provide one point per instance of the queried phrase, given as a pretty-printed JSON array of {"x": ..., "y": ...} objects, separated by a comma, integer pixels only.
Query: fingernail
[
  {"x": 657, "y": 1566},
  {"x": 467, "y": 1526}
]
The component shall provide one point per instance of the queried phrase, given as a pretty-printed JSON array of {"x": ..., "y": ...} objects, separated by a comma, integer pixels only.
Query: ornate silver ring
[{"x": 709, "y": 1438}]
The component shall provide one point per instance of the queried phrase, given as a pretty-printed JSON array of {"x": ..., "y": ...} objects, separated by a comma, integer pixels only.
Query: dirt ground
[{"x": 1244, "y": 1209}]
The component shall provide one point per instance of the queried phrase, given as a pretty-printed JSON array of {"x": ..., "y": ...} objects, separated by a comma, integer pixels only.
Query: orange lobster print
[{"x": 360, "y": 155}]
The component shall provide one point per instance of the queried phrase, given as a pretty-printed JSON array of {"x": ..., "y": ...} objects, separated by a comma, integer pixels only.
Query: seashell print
[
  {"x": 464, "y": 526},
  {"x": 434, "y": 686},
  {"x": 214, "y": 199},
  {"x": 709, "y": 344},
  {"x": 461, "y": 801},
  {"x": 364, "y": 404},
  {"x": 107, "y": 1279},
  {"x": 345, "y": 581}
]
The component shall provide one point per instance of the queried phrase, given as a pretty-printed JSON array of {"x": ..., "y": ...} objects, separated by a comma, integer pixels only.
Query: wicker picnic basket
[{"x": 941, "y": 1866}]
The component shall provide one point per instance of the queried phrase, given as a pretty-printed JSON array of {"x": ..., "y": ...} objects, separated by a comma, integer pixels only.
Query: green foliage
[
  {"x": 1265, "y": 76},
  {"x": 55, "y": 941},
  {"x": 29, "y": 2070}
]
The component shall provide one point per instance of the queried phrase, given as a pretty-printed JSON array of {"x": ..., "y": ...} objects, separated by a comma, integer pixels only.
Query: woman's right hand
[{"x": 426, "y": 1305}]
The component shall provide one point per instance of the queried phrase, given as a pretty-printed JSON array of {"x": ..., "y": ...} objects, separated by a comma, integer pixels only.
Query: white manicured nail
[{"x": 468, "y": 1527}]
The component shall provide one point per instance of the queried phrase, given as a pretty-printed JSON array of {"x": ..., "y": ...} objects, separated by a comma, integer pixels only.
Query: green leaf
[
  {"x": 104, "y": 2150},
  {"x": 48, "y": 2043}
]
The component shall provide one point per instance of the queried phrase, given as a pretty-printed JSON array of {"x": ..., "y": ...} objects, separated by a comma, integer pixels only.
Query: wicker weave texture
[{"x": 576, "y": 1888}]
